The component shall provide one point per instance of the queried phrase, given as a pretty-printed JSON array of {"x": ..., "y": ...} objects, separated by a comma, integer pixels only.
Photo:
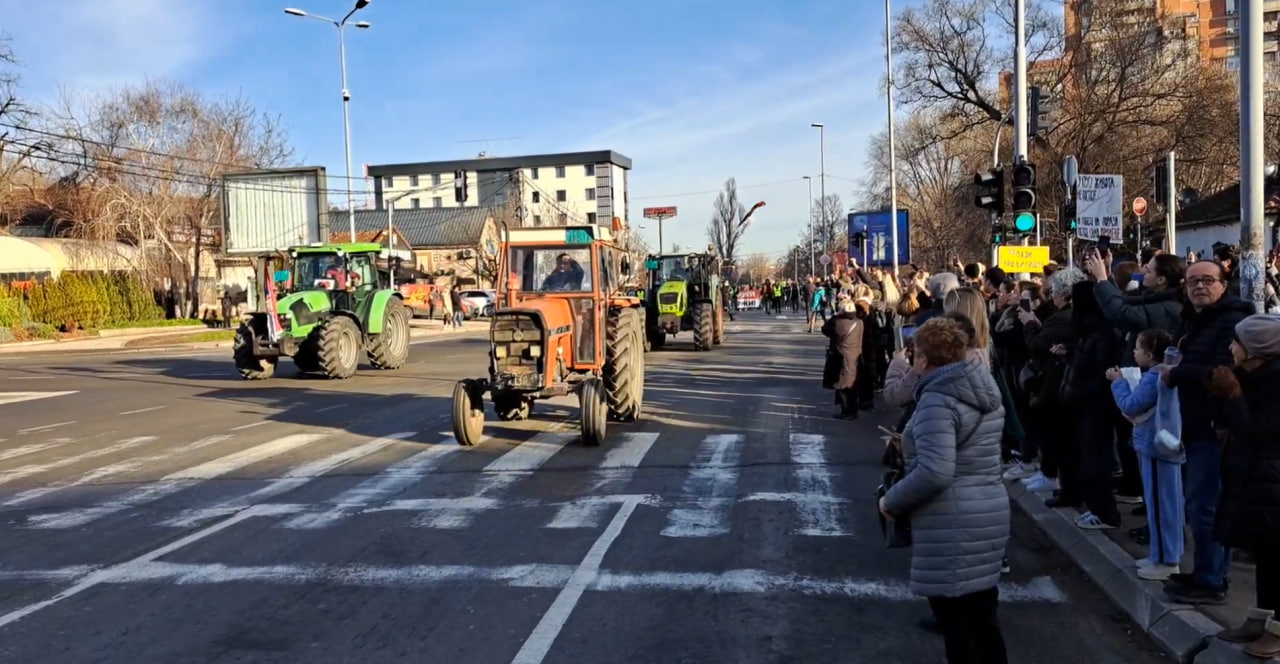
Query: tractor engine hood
[
  {"x": 303, "y": 308},
  {"x": 556, "y": 312}
]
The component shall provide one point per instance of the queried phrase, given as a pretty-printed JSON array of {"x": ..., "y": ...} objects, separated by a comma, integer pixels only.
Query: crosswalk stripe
[
  {"x": 26, "y": 449},
  {"x": 713, "y": 481},
  {"x": 817, "y": 510},
  {"x": 499, "y": 475},
  {"x": 174, "y": 482},
  {"x": 19, "y": 397},
  {"x": 292, "y": 479},
  {"x": 110, "y": 470},
  {"x": 389, "y": 482},
  {"x": 615, "y": 471},
  {"x": 37, "y": 468}
]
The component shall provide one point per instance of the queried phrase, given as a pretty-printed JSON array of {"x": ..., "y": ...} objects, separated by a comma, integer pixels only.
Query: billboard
[
  {"x": 879, "y": 242},
  {"x": 268, "y": 210}
]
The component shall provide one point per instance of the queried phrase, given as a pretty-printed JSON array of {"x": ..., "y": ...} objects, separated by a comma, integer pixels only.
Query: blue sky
[{"x": 694, "y": 91}]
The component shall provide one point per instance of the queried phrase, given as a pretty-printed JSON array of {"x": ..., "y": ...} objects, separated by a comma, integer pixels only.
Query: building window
[
  {"x": 435, "y": 179},
  {"x": 537, "y": 197},
  {"x": 591, "y": 218},
  {"x": 413, "y": 180},
  {"x": 537, "y": 220},
  {"x": 437, "y": 202},
  {"x": 590, "y": 193},
  {"x": 559, "y": 171},
  {"x": 415, "y": 203},
  {"x": 589, "y": 170},
  {"x": 562, "y": 219},
  {"x": 388, "y": 181},
  {"x": 562, "y": 195},
  {"x": 533, "y": 173}
]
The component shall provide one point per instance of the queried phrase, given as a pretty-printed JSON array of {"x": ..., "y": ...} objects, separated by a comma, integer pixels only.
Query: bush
[{"x": 81, "y": 300}]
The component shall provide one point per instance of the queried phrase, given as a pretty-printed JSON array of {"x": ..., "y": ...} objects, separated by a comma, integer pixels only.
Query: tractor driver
[
  {"x": 566, "y": 277},
  {"x": 337, "y": 273}
]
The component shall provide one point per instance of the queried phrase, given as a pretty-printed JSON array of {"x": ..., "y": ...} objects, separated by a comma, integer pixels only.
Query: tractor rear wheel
[
  {"x": 594, "y": 412},
  {"x": 339, "y": 341},
  {"x": 702, "y": 326},
  {"x": 624, "y": 364},
  {"x": 250, "y": 367},
  {"x": 468, "y": 412},
  {"x": 390, "y": 348}
]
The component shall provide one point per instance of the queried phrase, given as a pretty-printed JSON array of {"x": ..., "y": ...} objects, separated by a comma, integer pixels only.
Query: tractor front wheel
[
  {"x": 390, "y": 348},
  {"x": 468, "y": 412},
  {"x": 703, "y": 329},
  {"x": 339, "y": 340},
  {"x": 594, "y": 412},
  {"x": 249, "y": 366},
  {"x": 624, "y": 365}
]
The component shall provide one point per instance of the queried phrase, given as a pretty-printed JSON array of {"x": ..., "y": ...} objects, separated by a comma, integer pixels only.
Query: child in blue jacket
[{"x": 1161, "y": 478}]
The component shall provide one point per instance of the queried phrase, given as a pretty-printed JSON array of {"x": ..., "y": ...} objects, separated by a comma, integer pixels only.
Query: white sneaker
[
  {"x": 1028, "y": 480},
  {"x": 1157, "y": 571},
  {"x": 1145, "y": 562},
  {"x": 1040, "y": 483},
  {"x": 1020, "y": 471}
]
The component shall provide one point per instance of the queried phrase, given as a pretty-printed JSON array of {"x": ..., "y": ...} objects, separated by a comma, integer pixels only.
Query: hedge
[{"x": 79, "y": 300}]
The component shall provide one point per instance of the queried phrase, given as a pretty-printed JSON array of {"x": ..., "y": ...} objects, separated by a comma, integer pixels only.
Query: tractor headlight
[
  {"x": 499, "y": 352},
  {"x": 535, "y": 351}
]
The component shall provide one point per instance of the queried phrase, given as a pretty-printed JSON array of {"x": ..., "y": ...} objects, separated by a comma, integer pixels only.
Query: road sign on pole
[
  {"x": 1139, "y": 206},
  {"x": 660, "y": 214}
]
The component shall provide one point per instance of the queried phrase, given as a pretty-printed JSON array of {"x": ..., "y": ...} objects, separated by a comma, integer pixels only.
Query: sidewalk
[
  {"x": 1108, "y": 558},
  {"x": 420, "y": 331}
]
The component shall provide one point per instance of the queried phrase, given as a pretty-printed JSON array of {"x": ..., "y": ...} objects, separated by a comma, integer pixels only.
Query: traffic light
[
  {"x": 1069, "y": 216},
  {"x": 460, "y": 186},
  {"x": 1024, "y": 197},
  {"x": 997, "y": 233},
  {"x": 990, "y": 190}
]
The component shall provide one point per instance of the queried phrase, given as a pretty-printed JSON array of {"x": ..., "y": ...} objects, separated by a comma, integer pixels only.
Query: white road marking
[
  {"x": 615, "y": 472},
  {"x": 111, "y": 470},
  {"x": 141, "y": 410},
  {"x": 174, "y": 483},
  {"x": 47, "y": 427},
  {"x": 293, "y": 479},
  {"x": 329, "y": 408},
  {"x": 37, "y": 468},
  {"x": 499, "y": 475},
  {"x": 242, "y": 427},
  {"x": 18, "y": 397},
  {"x": 25, "y": 449},
  {"x": 1041, "y": 589},
  {"x": 539, "y": 643},
  {"x": 378, "y": 488},
  {"x": 819, "y": 514},
  {"x": 31, "y": 377},
  {"x": 94, "y": 578},
  {"x": 713, "y": 481}
]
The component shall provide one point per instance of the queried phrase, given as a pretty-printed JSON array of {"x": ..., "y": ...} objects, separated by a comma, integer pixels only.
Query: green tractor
[
  {"x": 329, "y": 308},
  {"x": 684, "y": 294}
]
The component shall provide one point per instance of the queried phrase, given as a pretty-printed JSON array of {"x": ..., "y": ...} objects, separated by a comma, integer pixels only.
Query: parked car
[{"x": 482, "y": 300}]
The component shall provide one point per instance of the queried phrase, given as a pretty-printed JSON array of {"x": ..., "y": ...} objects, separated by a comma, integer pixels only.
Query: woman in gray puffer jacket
[{"x": 952, "y": 493}]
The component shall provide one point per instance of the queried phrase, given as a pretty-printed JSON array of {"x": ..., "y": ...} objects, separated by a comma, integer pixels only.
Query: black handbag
[
  {"x": 831, "y": 368},
  {"x": 897, "y": 531}
]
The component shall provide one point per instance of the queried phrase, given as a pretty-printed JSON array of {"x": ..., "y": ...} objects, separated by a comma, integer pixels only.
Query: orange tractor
[{"x": 562, "y": 325}]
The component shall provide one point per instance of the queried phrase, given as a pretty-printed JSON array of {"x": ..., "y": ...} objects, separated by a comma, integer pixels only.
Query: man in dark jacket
[{"x": 1204, "y": 340}]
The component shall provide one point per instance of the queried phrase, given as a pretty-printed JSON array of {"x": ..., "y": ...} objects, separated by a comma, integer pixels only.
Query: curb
[
  {"x": 1180, "y": 630},
  {"x": 150, "y": 331}
]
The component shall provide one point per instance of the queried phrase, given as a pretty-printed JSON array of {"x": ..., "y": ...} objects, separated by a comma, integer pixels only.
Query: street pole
[
  {"x": 822, "y": 187},
  {"x": 1171, "y": 197},
  {"x": 1020, "y": 119},
  {"x": 1252, "y": 166},
  {"x": 391, "y": 241},
  {"x": 812, "y": 267},
  {"x": 893, "y": 156},
  {"x": 661, "y": 247}
]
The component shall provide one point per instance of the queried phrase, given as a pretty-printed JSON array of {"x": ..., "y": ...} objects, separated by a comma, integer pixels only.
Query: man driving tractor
[{"x": 567, "y": 275}]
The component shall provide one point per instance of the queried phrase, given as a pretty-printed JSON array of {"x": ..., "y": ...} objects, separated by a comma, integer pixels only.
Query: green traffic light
[{"x": 1025, "y": 222}]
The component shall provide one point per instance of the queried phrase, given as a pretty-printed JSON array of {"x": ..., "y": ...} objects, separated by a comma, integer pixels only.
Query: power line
[{"x": 717, "y": 191}]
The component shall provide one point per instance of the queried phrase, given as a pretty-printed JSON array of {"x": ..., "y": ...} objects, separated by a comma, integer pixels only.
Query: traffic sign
[
  {"x": 1139, "y": 206},
  {"x": 1025, "y": 222},
  {"x": 660, "y": 213},
  {"x": 825, "y": 259}
]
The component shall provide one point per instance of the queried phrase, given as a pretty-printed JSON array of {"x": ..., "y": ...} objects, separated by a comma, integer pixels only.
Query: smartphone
[
  {"x": 1104, "y": 244},
  {"x": 908, "y": 331},
  {"x": 1025, "y": 304}
]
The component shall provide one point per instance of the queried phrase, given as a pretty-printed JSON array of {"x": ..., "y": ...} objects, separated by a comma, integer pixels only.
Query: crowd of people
[{"x": 1145, "y": 382}]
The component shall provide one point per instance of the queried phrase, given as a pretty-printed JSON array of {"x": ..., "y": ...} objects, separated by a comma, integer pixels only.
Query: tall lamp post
[
  {"x": 822, "y": 188},
  {"x": 346, "y": 94},
  {"x": 812, "y": 269}
]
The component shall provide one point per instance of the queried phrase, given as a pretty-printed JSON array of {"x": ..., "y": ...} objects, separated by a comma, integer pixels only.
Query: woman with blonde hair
[{"x": 970, "y": 303}]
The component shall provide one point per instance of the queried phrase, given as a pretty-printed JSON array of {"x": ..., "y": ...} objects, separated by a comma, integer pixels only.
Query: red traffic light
[{"x": 1024, "y": 175}]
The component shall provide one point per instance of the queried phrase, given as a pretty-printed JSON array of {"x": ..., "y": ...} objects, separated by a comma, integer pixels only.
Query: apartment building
[
  {"x": 541, "y": 190},
  {"x": 1045, "y": 74}
]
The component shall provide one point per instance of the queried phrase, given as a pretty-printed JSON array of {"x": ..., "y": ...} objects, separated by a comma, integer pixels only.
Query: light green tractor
[
  {"x": 684, "y": 295},
  {"x": 327, "y": 310}
]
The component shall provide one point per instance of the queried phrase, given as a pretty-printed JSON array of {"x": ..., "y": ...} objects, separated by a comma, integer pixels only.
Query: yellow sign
[{"x": 1023, "y": 259}]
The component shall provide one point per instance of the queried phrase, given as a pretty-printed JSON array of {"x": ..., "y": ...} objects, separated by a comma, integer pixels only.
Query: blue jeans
[
  {"x": 1162, "y": 489},
  {"x": 457, "y": 319},
  {"x": 1203, "y": 487}
]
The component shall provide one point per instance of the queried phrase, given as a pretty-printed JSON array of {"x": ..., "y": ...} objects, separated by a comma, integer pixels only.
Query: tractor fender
[{"x": 378, "y": 310}]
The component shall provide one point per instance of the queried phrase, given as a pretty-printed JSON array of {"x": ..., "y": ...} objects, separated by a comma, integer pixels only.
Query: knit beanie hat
[{"x": 1259, "y": 334}]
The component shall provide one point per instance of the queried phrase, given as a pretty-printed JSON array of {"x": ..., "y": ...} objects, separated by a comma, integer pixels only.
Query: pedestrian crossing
[{"x": 437, "y": 485}]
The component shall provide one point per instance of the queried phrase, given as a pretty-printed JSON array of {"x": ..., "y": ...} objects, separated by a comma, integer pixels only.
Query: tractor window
[
  {"x": 362, "y": 271},
  {"x": 606, "y": 271},
  {"x": 553, "y": 270},
  {"x": 318, "y": 271}
]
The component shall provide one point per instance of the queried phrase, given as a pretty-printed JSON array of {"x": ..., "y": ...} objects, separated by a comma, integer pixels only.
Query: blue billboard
[{"x": 879, "y": 237}]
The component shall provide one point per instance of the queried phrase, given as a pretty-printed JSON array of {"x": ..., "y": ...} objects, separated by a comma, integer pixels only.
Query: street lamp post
[
  {"x": 822, "y": 188},
  {"x": 812, "y": 269},
  {"x": 893, "y": 149},
  {"x": 346, "y": 94}
]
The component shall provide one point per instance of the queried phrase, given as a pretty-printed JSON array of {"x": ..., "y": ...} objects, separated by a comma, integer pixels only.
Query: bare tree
[
  {"x": 157, "y": 151},
  {"x": 830, "y": 228},
  {"x": 729, "y": 222},
  {"x": 16, "y": 147},
  {"x": 756, "y": 267}
]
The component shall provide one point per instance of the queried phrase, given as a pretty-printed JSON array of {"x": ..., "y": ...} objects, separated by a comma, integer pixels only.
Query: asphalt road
[{"x": 155, "y": 508}]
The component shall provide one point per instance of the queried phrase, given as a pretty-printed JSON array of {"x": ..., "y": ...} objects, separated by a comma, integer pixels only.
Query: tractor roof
[
  {"x": 345, "y": 247},
  {"x": 560, "y": 235}
]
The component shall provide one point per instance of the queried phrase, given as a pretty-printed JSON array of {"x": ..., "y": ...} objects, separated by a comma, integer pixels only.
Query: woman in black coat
[
  {"x": 1248, "y": 516},
  {"x": 845, "y": 331}
]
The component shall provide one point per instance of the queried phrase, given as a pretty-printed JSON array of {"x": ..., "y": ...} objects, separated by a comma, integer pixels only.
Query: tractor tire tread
[
  {"x": 381, "y": 354},
  {"x": 250, "y": 367},
  {"x": 329, "y": 346},
  {"x": 623, "y": 355},
  {"x": 703, "y": 327}
]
